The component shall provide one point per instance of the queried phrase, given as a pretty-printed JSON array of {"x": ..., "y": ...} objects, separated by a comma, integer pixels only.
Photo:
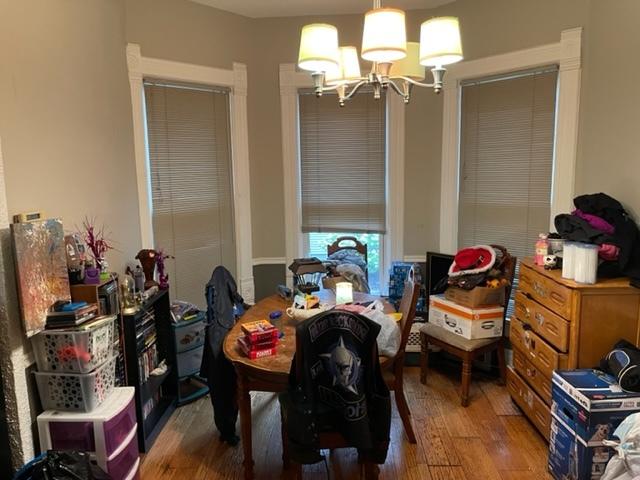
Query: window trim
[
  {"x": 393, "y": 244},
  {"x": 236, "y": 79},
  {"x": 566, "y": 54}
]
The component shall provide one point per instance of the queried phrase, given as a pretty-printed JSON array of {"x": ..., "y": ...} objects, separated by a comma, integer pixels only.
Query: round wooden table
[{"x": 268, "y": 374}]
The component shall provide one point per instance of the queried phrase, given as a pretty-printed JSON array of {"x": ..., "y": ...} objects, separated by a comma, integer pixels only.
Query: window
[
  {"x": 506, "y": 159},
  {"x": 343, "y": 174},
  {"x": 190, "y": 179}
]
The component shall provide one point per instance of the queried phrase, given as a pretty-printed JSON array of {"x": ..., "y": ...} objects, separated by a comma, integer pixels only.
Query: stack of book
[
  {"x": 72, "y": 315},
  {"x": 260, "y": 339}
]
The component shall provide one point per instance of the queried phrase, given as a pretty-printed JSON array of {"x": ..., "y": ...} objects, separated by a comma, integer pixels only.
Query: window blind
[
  {"x": 342, "y": 164},
  {"x": 506, "y": 160},
  {"x": 190, "y": 177}
]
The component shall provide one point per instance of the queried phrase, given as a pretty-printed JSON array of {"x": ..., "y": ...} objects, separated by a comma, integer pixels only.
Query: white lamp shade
[
  {"x": 440, "y": 42},
  {"x": 409, "y": 66},
  {"x": 348, "y": 69},
  {"x": 318, "y": 47},
  {"x": 344, "y": 293},
  {"x": 384, "y": 38}
]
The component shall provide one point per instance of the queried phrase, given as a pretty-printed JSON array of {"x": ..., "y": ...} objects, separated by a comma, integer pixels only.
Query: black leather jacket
[{"x": 337, "y": 386}]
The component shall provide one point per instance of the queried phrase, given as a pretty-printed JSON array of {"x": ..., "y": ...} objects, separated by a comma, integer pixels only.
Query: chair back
[
  {"x": 350, "y": 243},
  {"x": 408, "y": 309},
  {"x": 508, "y": 265}
]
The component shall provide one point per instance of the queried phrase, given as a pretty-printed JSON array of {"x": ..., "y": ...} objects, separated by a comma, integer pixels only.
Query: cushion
[{"x": 454, "y": 340}]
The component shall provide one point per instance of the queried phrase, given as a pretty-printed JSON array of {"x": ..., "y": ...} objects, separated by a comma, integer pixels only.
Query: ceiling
[{"x": 294, "y": 8}]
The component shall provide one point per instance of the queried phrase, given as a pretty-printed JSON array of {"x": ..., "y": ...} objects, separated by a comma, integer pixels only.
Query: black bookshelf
[{"x": 148, "y": 339}]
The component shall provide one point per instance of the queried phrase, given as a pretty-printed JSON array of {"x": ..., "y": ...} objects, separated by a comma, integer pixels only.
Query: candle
[{"x": 344, "y": 293}]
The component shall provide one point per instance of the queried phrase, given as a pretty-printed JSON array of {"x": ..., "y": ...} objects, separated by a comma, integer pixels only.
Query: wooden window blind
[
  {"x": 191, "y": 193},
  {"x": 506, "y": 160},
  {"x": 342, "y": 164}
]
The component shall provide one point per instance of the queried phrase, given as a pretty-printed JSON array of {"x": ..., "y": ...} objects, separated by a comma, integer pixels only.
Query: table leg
[{"x": 244, "y": 405}]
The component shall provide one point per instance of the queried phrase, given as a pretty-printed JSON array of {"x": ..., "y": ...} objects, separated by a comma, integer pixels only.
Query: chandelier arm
[
  {"x": 415, "y": 82},
  {"x": 355, "y": 89},
  {"x": 395, "y": 87}
]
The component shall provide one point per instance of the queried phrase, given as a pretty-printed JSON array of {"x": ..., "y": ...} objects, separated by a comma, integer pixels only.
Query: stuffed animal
[{"x": 550, "y": 262}]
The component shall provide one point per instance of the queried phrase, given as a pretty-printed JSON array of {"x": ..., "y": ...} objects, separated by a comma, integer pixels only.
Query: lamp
[
  {"x": 396, "y": 63},
  {"x": 344, "y": 293},
  {"x": 307, "y": 273}
]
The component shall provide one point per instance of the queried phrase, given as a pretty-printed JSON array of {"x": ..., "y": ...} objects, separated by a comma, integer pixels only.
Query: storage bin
[
  {"x": 79, "y": 392},
  {"x": 189, "y": 334},
  {"x": 75, "y": 351},
  {"x": 189, "y": 362},
  {"x": 120, "y": 467}
]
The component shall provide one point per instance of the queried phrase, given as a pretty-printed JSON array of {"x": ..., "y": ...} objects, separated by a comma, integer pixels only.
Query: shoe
[{"x": 232, "y": 439}]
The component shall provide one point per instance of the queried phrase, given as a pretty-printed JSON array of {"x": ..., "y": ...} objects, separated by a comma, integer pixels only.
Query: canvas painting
[{"x": 41, "y": 270}]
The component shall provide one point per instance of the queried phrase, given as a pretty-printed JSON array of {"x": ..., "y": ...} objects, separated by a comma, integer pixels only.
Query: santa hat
[{"x": 472, "y": 260}]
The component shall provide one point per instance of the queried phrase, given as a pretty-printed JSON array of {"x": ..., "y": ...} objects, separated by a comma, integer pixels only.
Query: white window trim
[
  {"x": 236, "y": 79},
  {"x": 566, "y": 54},
  {"x": 291, "y": 82}
]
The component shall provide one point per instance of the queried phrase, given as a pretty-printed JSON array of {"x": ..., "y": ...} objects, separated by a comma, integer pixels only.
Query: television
[{"x": 437, "y": 268}]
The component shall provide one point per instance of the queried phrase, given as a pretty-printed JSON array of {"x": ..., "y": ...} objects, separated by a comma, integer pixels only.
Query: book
[
  {"x": 246, "y": 344},
  {"x": 260, "y": 330},
  {"x": 253, "y": 354}
]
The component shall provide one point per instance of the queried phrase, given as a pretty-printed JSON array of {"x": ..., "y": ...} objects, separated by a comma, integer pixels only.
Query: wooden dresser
[{"x": 561, "y": 324}]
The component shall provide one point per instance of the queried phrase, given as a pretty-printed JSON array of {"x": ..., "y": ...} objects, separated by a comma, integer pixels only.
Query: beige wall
[
  {"x": 65, "y": 116},
  {"x": 609, "y": 142}
]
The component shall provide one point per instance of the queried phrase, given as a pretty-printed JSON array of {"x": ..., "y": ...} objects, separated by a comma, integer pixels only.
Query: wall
[
  {"x": 609, "y": 148},
  {"x": 67, "y": 145}
]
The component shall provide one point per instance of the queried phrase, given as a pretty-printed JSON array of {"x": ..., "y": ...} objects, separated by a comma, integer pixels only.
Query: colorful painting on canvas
[{"x": 41, "y": 270}]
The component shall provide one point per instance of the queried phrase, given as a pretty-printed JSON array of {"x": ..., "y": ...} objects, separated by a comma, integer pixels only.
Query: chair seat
[{"x": 454, "y": 340}]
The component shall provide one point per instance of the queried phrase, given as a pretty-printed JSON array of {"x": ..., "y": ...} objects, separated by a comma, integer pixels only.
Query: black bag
[
  {"x": 58, "y": 465},
  {"x": 623, "y": 362}
]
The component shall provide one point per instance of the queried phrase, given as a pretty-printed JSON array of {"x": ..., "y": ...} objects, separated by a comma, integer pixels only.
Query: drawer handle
[
  {"x": 530, "y": 343},
  {"x": 531, "y": 373},
  {"x": 539, "y": 318},
  {"x": 527, "y": 313},
  {"x": 539, "y": 289}
]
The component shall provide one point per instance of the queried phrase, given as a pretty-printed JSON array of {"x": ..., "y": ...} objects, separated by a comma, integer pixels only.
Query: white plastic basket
[
  {"x": 74, "y": 351},
  {"x": 76, "y": 392}
]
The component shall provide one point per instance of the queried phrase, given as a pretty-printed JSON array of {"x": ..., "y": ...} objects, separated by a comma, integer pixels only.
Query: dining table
[{"x": 270, "y": 374}]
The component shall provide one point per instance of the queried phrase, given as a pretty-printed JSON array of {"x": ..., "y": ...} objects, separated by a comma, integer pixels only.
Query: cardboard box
[
  {"x": 476, "y": 297},
  {"x": 467, "y": 322},
  {"x": 587, "y": 406}
]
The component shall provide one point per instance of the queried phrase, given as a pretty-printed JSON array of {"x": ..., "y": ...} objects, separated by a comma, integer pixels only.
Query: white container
[
  {"x": 469, "y": 323},
  {"x": 586, "y": 263},
  {"x": 75, "y": 351},
  {"x": 76, "y": 392},
  {"x": 568, "y": 260},
  {"x": 189, "y": 362}
]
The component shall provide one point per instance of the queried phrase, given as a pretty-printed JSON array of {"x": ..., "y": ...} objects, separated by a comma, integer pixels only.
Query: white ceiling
[{"x": 294, "y": 8}]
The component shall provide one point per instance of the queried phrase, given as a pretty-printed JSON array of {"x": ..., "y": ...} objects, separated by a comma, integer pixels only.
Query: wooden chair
[
  {"x": 467, "y": 350},
  {"x": 358, "y": 246},
  {"x": 393, "y": 367},
  {"x": 328, "y": 440}
]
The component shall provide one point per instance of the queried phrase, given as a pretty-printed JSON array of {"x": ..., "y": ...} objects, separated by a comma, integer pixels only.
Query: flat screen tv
[{"x": 437, "y": 268}]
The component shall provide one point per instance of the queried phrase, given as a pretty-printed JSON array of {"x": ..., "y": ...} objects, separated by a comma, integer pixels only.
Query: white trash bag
[
  {"x": 390, "y": 335},
  {"x": 625, "y": 465}
]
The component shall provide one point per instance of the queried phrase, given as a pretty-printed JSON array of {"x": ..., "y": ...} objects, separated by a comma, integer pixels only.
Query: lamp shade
[
  {"x": 348, "y": 69},
  {"x": 440, "y": 42},
  {"x": 384, "y": 38},
  {"x": 409, "y": 66},
  {"x": 318, "y": 47}
]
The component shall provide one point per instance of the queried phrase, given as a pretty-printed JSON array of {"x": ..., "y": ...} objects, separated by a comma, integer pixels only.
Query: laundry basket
[
  {"x": 75, "y": 351},
  {"x": 76, "y": 392}
]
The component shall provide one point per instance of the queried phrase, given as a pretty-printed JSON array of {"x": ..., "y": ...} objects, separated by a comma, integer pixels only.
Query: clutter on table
[
  {"x": 260, "y": 339},
  {"x": 307, "y": 274},
  {"x": 305, "y": 306},
  {"x": 587, "y": 407}
]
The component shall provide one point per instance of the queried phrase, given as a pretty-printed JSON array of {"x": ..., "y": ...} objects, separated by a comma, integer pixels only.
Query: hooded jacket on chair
[
  {"x": 336, "y": 384},
  {"x": 223, "y": 301}
]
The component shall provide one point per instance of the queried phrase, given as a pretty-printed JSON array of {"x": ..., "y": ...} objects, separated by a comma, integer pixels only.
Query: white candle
[{"x": 344, "y": 293}]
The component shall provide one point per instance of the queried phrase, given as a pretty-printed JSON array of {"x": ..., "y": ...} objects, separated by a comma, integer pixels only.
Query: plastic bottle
[{"x": 542, "y": 249}]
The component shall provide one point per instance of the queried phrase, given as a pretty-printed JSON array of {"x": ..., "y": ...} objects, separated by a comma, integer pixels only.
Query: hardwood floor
[{"x": 489, "y": 439}]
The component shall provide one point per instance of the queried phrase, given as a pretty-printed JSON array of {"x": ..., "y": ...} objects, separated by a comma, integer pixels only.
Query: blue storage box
[{"x": 587, "y": 406}]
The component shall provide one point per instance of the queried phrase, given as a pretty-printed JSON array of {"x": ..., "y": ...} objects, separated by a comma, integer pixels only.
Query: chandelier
[{"x": 396, "y": 63}]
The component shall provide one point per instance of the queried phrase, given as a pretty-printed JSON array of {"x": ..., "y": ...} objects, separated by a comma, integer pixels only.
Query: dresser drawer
[
  {"x": 530, "y": 403},
  {"x": 540, "y": 383},
  {"x": 550, "y": 326},
  {"x": 547, "y": 292},
  {"x": 542, "y": 355}
]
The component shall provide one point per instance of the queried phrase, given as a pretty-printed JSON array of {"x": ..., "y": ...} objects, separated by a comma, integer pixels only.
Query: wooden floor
[{"x": 489, "y": 439}]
